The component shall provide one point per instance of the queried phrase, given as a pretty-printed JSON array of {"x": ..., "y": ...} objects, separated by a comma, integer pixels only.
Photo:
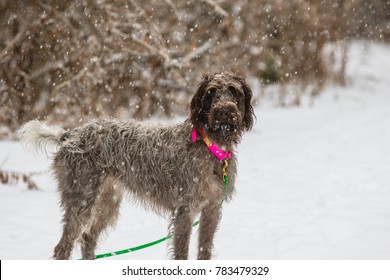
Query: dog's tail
[{"x": 38, "y": 136}]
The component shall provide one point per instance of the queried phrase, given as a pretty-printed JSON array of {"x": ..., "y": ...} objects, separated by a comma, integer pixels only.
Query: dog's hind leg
[
  {"x": 104, "y": 213},
  {"x": 77, "y": 199},
  {"x": 209, "y": 221},
  {"x": 71, "y": 231}
]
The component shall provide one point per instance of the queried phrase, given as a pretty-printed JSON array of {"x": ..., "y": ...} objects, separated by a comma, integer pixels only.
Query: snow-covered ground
[{"x": 313, "y": 183}]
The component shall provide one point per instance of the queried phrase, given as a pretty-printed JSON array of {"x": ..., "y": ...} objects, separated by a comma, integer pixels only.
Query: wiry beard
[
  {"x": 224, "y": 129},
  {"x": 225, "y": 132}
]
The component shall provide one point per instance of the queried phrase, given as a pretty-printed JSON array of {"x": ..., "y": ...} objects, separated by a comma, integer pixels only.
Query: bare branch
[
  {"x": 154, "y": 50},
  {"x": 177, "y": 14},
  {"x": 70, "y": 81},
  {"x": 16, "y": 39},
  {"x": 59, "y": 64},
  {"x": 198, "y": 51},
  {"x": 146, "y": 17},
  {"x": 217, "y": 8}
]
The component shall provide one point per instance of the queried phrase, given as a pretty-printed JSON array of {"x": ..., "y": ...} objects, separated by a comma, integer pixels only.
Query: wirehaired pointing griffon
[{"x": 175, "y": 170}]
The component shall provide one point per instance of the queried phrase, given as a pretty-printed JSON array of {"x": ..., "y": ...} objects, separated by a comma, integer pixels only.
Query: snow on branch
[
  {"x": 217, "y": 8},
  {"x": 11, "y": 44},
  {"x": 199, "y": 51}
]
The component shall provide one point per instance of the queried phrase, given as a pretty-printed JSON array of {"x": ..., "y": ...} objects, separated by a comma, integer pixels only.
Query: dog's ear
[
  {"x": 198, "y": 116},
  {"x": 249, "y": 112}
]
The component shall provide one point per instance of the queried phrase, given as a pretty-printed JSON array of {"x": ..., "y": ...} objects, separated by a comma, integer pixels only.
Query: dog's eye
[
  {"x": 211, "y": 91},
  {"x": 210, "y": 95},
  {"x": 208, "y": 99},
  {"x": 232, "y": 89}
]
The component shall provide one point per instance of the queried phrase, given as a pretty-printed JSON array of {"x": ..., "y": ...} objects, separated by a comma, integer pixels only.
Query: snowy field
[{"x": 313, "y": 183}]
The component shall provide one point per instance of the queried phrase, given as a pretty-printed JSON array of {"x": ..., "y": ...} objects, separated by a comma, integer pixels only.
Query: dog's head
[{"x": 222, "y": 107}]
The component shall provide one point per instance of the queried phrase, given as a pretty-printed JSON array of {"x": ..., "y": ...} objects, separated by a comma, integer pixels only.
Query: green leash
[
  {"x": 140, "y": 247},
  {"x": 146, "y": 245}
]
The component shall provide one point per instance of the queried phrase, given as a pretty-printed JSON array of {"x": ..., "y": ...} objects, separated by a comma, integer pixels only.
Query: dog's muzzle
[
  {"x": 223, "y": 129},
  {"x": 225, "y": 120}
]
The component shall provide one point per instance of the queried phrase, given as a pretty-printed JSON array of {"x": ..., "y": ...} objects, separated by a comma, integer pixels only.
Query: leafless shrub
[{"x": 13, "y": 178}]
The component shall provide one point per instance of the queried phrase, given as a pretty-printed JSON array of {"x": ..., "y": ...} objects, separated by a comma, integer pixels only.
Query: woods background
[{"x": 70, "y": 61}]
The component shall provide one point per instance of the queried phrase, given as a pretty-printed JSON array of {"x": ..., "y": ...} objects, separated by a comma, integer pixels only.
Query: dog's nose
[{"x": 224, "y": 113}]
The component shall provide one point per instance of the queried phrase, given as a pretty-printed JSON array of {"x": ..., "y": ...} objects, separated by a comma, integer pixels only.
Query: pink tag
[{"x": 220, "y": 154}]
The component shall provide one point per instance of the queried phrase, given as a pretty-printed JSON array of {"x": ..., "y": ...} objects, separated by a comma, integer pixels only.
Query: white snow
[{"x": 313, "y": 183}]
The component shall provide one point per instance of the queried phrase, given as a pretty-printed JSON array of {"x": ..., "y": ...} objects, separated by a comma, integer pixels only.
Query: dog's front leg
[
  {"x": 181, "y": 233},
  {"x": 209, "y": 220}
]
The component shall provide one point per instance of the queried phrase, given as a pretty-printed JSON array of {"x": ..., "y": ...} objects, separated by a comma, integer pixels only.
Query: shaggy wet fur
[{"x": 158, "y": 165}]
